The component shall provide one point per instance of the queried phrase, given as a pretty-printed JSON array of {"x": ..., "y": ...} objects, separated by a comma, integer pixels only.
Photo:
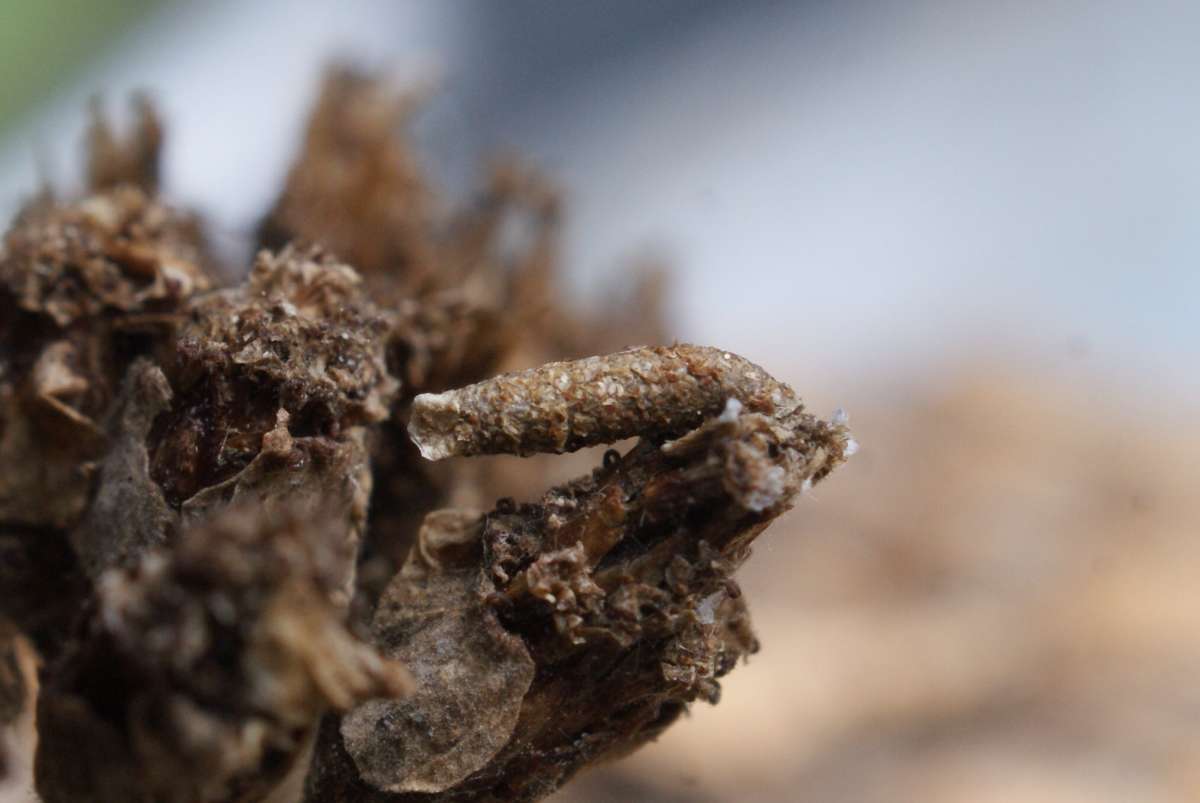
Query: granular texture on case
[{"x": 653, "y": 391}]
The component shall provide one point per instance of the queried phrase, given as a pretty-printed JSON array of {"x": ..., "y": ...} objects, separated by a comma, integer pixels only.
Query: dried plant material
[
  {"x": 445, "y": 339},
  {"x": 203, "y": 669},
  {"x": 275, "y": 381},
  {"x": 208, "y": 497},
  {"x": 117, "y": 251},
  {"x": 319, "y": 477},
  {"x": 12, "y": 681},
  {"x": 128, "y": 513},
  {"x": 470, "y": 672},
  {"x": 474, "y": 292},
  {"x": 84, "y": 288},
  {"x": 13, "y": 693},
  {"x": 619, "y": 584},
  {"x": 41, "y": 585},
  {"x": 354, "y": 188},
  {"x": 43, "y": 458},
  {"x": 133, "y": 159},
  {"x": 300, "y": 326},
  {"x": 295, "y": 351}
]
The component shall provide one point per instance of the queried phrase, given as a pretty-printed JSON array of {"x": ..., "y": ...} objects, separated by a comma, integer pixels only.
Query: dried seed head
[{"x": 653, "y": 392}]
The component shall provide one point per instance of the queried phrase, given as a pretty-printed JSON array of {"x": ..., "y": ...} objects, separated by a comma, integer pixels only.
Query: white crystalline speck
[
  {"x": 733, "y": 409},
  {"x": 706, "y": 610}
]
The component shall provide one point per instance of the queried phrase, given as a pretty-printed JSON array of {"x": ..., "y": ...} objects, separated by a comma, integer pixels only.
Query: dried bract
[
  {"x": 85, "y": 288},
  {"x": 302, "y": 327},
  {"x": 275, "y": 381},
  {"x": 128, "y": 513},
  {"x": 297, "y": 337},
  {"x": 115, "y": 251},
  {"x": 204, "y": 669},
  {"x": 132, "y": 159},
  {"x": 471, "y": 675},
  {"x": 355, "y": 187}
]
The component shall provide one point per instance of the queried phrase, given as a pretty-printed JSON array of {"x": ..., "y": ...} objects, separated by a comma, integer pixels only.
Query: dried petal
[{"x": 471, "y": 676}]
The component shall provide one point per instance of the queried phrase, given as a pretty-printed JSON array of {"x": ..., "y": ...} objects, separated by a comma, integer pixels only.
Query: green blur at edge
[{"x": 44, "y": 42}]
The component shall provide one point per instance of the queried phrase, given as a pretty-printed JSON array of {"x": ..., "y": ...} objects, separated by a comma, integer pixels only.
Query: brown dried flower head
[{"x": 244, "y": 578}]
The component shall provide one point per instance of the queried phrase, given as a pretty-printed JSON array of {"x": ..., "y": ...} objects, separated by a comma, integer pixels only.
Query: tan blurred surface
[{"x": 996, "y": 600}]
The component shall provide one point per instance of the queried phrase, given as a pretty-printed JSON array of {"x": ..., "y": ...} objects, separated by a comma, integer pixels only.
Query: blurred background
[{"x": 971, "y": 224}]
